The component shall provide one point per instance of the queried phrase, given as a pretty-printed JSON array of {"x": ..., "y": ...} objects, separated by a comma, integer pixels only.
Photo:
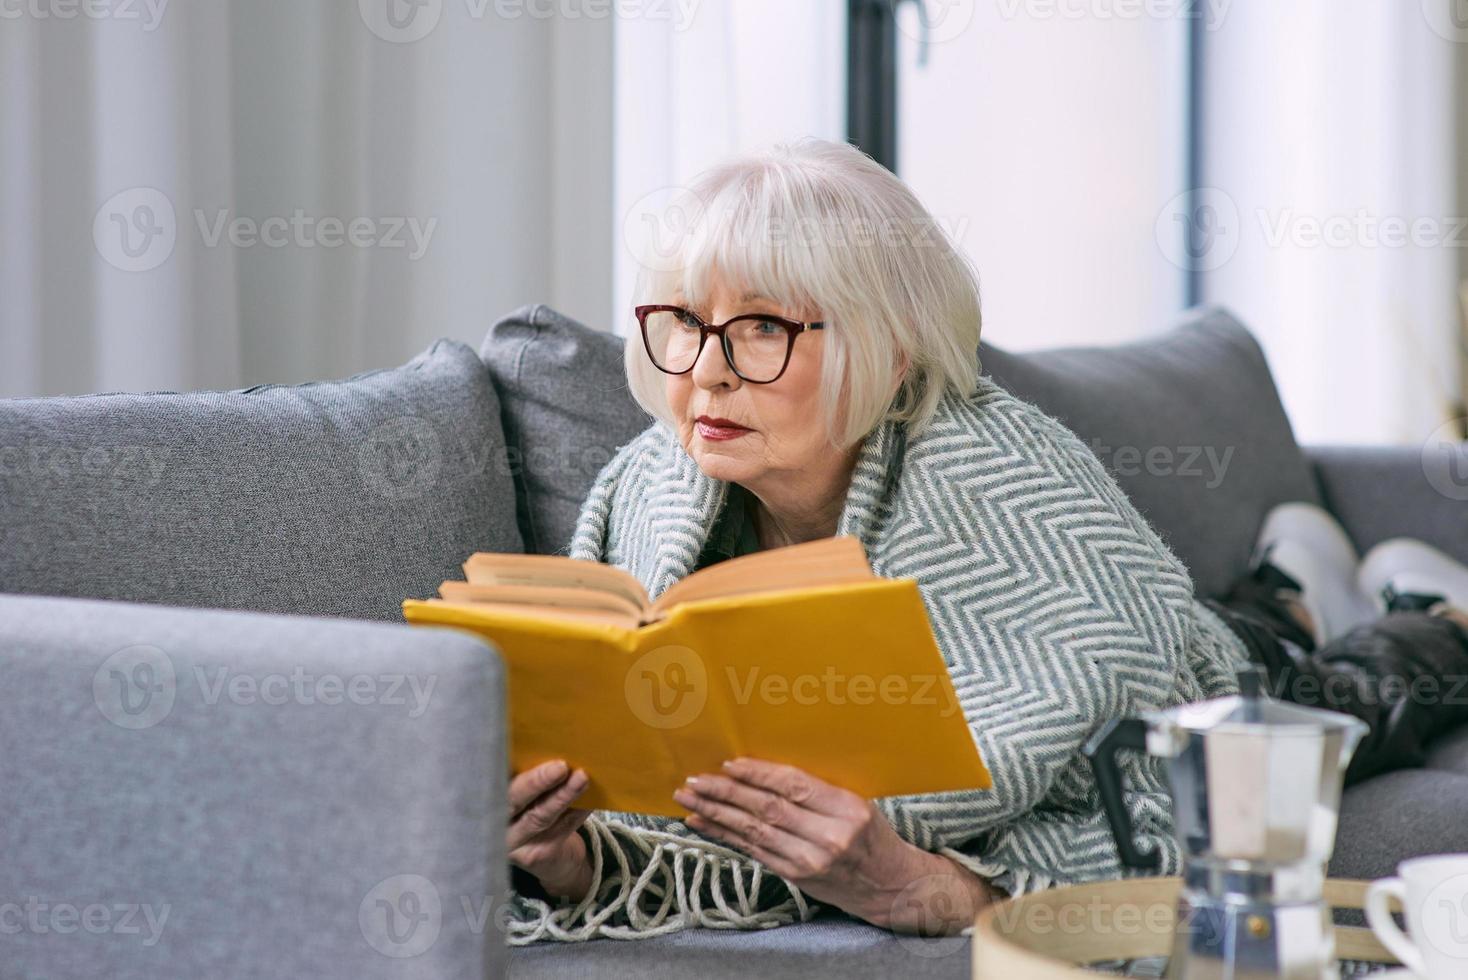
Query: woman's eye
[
  {"x": 688, "y": 320},
  {"x": 767, "y": 329}
]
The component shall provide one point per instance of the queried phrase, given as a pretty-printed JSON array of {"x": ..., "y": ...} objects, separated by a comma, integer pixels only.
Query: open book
[
  {"x": 798, "y": 655},
  {"x": 554, "y": 586}
]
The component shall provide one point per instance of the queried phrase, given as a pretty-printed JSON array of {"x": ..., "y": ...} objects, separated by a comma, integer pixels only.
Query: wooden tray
[{"x": 1048, "y": 935}]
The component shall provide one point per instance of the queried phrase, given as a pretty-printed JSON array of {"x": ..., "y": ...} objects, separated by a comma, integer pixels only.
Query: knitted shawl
[{"x": 1054, "y": 603}]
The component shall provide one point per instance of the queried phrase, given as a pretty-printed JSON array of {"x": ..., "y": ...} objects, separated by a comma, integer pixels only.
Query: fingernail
[
  {"x": 691, "y": 781},
  {"x": 731, "y": 763}
]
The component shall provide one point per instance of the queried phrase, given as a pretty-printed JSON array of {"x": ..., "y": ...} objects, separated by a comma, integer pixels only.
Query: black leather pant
[{"x": 1405, "y": 675}]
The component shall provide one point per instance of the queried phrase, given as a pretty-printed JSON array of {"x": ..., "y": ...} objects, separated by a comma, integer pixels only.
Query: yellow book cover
[{"x": 843, "y": 681}]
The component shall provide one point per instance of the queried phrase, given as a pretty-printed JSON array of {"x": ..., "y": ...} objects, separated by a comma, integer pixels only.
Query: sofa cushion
[
  {"x": 832, "y": 945},
  {"x": 566, "y": 411},
  {"x": 271, "y": 789},
  {"x": 335, "y": 498},
  {"x": 1190, "y": 424}
]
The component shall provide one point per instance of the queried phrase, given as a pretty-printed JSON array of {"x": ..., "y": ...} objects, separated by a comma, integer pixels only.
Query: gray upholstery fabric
[
  {"x": 261, "y": 815},
  {"x": 336, "y": 498},
  {"x": 1400, "y": 815},
  {"x": 1190, "y": 424},
  {"x": 830, "y": 946},
  {"x": 1381, "y": 492},
  {"x": 567, "y": 411}
]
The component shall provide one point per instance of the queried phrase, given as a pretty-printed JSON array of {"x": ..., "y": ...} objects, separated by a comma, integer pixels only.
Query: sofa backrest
[
  {"x": 1188, "y": 421},
  {"x": 1190, "y": 424},
  {"x": 334, "y": 498}
]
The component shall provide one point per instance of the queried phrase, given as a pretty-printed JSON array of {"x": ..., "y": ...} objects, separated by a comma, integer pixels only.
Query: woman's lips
[{"x": 719, "y": 430}]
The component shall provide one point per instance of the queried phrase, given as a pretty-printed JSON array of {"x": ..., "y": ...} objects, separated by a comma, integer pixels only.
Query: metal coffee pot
[{"x": 1256, "y": 790}]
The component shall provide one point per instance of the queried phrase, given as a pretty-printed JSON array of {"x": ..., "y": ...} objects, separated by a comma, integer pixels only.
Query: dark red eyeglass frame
[{"x": 792, "y": 327}]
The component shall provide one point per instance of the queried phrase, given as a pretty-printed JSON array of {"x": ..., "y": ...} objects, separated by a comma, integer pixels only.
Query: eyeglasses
[{"x": 756, "y": 345}]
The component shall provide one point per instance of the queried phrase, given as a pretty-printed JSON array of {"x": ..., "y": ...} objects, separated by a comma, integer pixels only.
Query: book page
[
  {"x": 542, "y": 597},
  {"x": 554, "y": 572},
  {"x": 829, "y": 561}
]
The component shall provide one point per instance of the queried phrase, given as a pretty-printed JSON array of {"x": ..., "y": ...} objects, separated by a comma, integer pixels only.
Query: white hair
[{"x": 819, "y": 225}]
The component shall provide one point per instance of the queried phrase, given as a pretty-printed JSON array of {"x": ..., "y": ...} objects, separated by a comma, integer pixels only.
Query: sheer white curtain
[
  {"x": 308, "y": 189},
  {"x": 1046, "y": 138},
  {"x": 731, "y": 75},
  {"x": 1329, "y": 143}
]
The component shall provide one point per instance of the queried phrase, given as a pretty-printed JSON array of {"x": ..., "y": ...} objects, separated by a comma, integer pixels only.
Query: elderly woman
[{"x": 809, "y": 354}]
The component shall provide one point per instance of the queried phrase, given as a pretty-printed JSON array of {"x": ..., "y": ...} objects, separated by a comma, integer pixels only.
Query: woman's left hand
[{"x": 831, "y": 844}]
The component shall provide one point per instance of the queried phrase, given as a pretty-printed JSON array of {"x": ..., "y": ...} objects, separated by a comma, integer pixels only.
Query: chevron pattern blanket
[{"x": 1056, "y": 607}]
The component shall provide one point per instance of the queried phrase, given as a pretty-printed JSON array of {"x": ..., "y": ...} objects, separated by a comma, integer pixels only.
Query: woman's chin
[{"x": 721, "y": 462}]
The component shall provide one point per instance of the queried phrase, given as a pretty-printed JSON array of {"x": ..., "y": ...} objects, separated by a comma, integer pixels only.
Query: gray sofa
[{"x": 287, "y": 788}]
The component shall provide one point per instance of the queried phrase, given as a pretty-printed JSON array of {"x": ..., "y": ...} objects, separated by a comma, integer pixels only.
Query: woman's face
[{"x": 745, "y": 433}]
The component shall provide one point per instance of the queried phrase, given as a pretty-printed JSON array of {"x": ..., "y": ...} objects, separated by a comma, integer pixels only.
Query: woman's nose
[{"x": 712, "y": 370}]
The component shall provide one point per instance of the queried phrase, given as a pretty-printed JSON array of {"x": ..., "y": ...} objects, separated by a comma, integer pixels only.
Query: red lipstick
[{"x": 719, "y": 430}]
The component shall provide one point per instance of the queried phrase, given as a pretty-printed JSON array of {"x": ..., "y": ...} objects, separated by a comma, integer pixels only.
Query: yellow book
[{"x": 797, "y": 655}]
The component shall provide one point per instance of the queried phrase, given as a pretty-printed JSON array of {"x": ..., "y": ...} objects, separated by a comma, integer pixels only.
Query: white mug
[{"x": 1434, "y": 893}]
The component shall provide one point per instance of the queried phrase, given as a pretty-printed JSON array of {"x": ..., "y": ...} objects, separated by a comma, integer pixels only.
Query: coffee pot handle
[{"x": 1101, "y": 749}]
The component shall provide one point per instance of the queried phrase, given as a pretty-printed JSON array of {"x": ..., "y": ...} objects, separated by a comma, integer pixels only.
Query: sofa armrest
[
  {"x": 258, "y": 795},
  {"x": 1381, "y": 492}
]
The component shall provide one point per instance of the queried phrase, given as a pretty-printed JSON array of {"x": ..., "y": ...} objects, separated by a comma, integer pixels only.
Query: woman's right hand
[{"x": 542, "y": 836}]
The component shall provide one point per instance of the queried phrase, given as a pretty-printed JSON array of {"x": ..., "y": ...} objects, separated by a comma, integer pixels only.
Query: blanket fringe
[{"x": 673, "y": 876}]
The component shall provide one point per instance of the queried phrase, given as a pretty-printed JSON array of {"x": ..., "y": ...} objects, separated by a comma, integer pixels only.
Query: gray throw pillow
[
  {"x": 1190, "y": 424},
  {"x": 566, "y": 410},
  {"x": 334, "y": 498}
]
